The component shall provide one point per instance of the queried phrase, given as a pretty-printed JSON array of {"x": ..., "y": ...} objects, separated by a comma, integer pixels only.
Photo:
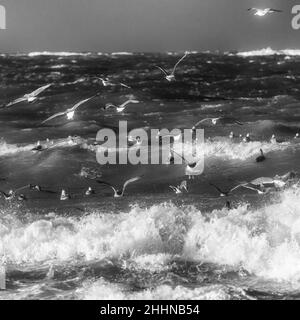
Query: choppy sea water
[{"x": 151, "y": 244}]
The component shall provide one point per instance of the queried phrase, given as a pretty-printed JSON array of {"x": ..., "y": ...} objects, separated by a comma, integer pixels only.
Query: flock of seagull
[{"x": 259, "y": 185}]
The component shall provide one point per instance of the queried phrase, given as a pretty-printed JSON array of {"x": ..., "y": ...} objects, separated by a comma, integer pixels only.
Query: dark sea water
[{"x": 152, "y": 243}]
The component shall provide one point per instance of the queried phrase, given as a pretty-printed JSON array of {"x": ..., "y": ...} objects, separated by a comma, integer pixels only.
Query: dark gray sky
[{"x": 145, "y": 25}]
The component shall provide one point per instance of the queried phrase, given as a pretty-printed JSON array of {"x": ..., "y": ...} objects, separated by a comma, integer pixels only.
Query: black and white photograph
[{"x": 149, "y": 150}]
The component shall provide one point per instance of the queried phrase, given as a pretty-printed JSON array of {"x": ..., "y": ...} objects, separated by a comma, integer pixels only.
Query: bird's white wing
[
  {"x": 16, "y": 101},
  {"x": 238, "y": 186},
  {"x": 110, "y": 105},
  {"x": 183, "y": 185},
  {"x": 107, "y": 184},
  {"x": 54, "y": 116},
  {"x": 262, "y": 181},
  {"x": 252, "y": 188},
  {"x": 128, "y": 102},
  {"x": 39, "y": 90},
  {"x": 130, "y": 181},
  {"x": 124, "y": 85},
  {"x": 162, "y": 70},
  {"x": 21, "y": 188},
  {"x": 77, "y": 105},
  {"x": 201, "y": 121},
  {"x": 180, "y": 60}
]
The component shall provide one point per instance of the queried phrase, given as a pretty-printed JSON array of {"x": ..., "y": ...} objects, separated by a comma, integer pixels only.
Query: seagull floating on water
[
  {"x": 121, "y": 107},
  {"x": 38, "y": 147},
  {"x": 264, "y": 12},
  {"x": 118, "y": 193},
  {"x": 69, "y": 112},
  {"x": 89, "y": 191},
  {"x": 247, "y": 138},
  {"x": 262, "y": 157},
  {"x": 64, "y": 195},
  {"x": 31, "y": 97},
  {"x": 171, "y": 76}
]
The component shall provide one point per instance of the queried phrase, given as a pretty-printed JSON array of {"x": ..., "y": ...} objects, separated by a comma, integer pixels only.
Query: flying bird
[
  {"x": 264, "y": 12},
  {"x": 30, "y": 97},
  {"x": 118, "y": 193},
  {"x": 250, "y": 186},
  {"x": 121, "y": 107},
  {"x": 107, "y": 83},
  {"x": 171, "y": 76},
  {"x": 69, "y": 112},
  {"x": 260, "y": 184},
  {"x": 178, "y": 189}
]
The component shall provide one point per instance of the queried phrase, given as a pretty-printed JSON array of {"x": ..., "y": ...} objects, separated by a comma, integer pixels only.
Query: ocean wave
[
  {"x": 60, "y": 54},
  {"x": 102, "y": 290},
  {"x": 122, "y": 53},
  {"x": 269, "y": 52},
  {"x": 265, "y": 242}
]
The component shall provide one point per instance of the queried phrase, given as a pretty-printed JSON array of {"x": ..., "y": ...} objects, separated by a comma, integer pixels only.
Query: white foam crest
[
  {"x": 8, "y": 149},
  {"x": 60, "y": 54},
  {"x": 97, "y": 236},
  {"x": 265, "y": 242},
  {"x": 102, "y": 290},
  {"x": 269, "y": 52},
  {"x": 122, "y": 53},
  {"x": 228, "y": 150}
]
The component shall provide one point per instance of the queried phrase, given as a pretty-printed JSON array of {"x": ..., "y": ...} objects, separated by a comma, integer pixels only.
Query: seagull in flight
[
  {"x": 107, "y": 83},
  {"x": 121, "y": 107},
  {"x": 69, "y": 112},
  {"x": 264, "y": 12},
  {"x": 260, "y": 184},
  {"x": 171, "y": 76},
  {"x": 215, "y": 121},
  {"x": 178, "y": 189},
  {"x": 118, "y": 193},
  {"x": 30, "y": 97}
]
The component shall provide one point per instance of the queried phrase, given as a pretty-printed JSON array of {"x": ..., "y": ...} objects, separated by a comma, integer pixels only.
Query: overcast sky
[{"x": 145, "y": 25}]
